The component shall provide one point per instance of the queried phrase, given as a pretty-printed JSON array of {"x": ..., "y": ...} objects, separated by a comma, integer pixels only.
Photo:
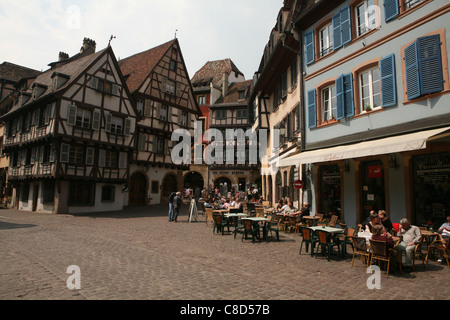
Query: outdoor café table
[
  {"x": 310, "y": 220},
  {"x": 256, "y": 221},
  {"x": 234, "y": 217},
  {"x": 331, "y": 230}
]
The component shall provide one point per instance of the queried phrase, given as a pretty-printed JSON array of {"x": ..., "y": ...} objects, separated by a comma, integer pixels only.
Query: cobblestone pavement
[{"x": 138, "y": 254}]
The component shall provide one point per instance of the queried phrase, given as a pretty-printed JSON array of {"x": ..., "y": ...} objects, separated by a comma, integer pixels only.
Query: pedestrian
[
  {"x": 171, "y": 211},
  {"x": 177, "y": 202}
]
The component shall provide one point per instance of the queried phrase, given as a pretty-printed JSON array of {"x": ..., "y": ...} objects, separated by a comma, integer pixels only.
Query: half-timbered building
[
  {"x": 69, "y": 136},
  {"x": 233, "y": 166},
  {"x": 159, "y": 83}
]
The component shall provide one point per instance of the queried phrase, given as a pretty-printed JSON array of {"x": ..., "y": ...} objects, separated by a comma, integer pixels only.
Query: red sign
[
  {"x": 298, "y": 184},
  {"x": 375, "y": 171}
]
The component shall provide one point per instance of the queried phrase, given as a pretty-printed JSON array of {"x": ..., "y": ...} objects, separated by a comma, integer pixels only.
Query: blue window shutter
[
  {"x": 388, "y": 82},
  {"x": 391, "y": 9},
  {"x": 430, "y": 64},
  {"x": 312, "y": 110},
  {"x": 346, "y": 26},
  {"x": 337, "y": 36},
  {"x": 340, "y": 111},
  {"x": 309, "y": 43},
  {"x": 349, "y": 109},
  {"x": 412, "y": 72}
]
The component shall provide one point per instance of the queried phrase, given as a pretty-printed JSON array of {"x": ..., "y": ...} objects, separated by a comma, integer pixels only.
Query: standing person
[
  {"x": 171, "y": 210},
  {"x": 177, "y": 202},
  {"x": 410, "y": 237}
]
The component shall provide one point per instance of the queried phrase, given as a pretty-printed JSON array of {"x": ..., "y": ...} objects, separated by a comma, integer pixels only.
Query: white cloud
[{"x": 207, "y": 30}]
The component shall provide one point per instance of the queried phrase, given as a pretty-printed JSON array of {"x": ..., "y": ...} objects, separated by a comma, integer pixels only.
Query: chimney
[
  {"x": 63, "y": 56},
  {"x": 88, "y": 47},
  {"x": 225, "y": 84}
]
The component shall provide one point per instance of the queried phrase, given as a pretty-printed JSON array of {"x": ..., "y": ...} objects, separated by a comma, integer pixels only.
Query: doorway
[
  {"x": 138, "y": 190},
  {"x": 373, "y": 185}
]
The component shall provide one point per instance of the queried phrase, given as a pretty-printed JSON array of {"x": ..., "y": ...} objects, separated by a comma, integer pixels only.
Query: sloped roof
[
  {"x": 232, "y": 98},
  {"x": 14, "y": 73},
  {"x": 212, "y": 71},
  {"x": 137, "y": 68},
  {"x": 72, "y": 69}
]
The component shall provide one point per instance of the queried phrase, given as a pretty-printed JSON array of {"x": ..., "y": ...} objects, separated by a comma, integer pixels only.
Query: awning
[{"x": 402, "y": 143}]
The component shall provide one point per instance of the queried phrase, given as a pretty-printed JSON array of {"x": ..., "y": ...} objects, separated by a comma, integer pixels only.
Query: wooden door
[{"x": 138, "y": 190}]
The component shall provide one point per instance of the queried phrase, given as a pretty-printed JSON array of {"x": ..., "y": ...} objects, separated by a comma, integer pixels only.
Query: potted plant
[{"x": 367, "y": 107}]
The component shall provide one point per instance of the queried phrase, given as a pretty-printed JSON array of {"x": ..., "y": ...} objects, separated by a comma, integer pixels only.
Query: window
[
  {"x": 83, "y": 118},
  {"x": 48, "y": 192},
  {"x": 116, "y": 125},
  {"x": 294, "y": 73},
  {"x": 184, "y": 119},
  {"x": 282, "y": 88},
  {"x": 411, "y": 3},
  {"x": 108, "y": 193},
  {"x": 110, "y": 159},
  {"x": 76, "y": 155},
  {"x": 164, "y": 112},
  {"x": 423, "y": 67},
  {"x": 369, "y": 89},
  {"x": 81, "y": 193},
  {"x": 326, "y": 40},
  {"x": 241, "y": 95},
  {"x": 221, "y": 114},
  {"x": 202, "y": 100},
  {"x": 241, "y": 114},
  {"x": 140, "y": 106},
  {"x": 329, "y": 103},
  {"x": 173, "y": 65},
  {"x": 160, "y": 146},
  {"x": 365, "y": 17}
]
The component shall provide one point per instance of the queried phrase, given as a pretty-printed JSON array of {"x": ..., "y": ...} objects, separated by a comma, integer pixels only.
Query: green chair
[
  {"x": 325, "y": 241},
  {"x": 271, "y": 226},
  {"x": 250, "y": 228},
  {"x": 220, "y": 223},
  {"x": 309, "y": 238}
]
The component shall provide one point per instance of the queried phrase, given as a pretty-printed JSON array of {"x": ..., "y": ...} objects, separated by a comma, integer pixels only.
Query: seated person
[
  {"x": 238, "y": 204},
  {"x": 305, "y": 210},
  {"x": 280, "y": 206},
  {"x": 385, "y": 221},
  {"x": 377, "y": 234},
  {"x": 374, "y": 220},
  {"x": 232, "y": 202},
  {"x": 290, "y": 209},
  {"x": 444, "y": 230},
  {"x": 226, "y": 205},
  {"x": 208, "y": 203},
  {"x": 410, "y": 236}
]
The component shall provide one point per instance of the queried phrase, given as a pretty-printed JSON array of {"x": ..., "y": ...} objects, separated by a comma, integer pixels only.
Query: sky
[{"x": 35, "y": 31}]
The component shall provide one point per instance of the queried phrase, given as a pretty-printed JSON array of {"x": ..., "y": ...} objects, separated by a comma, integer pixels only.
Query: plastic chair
[
  {"x": 333, "y": 221},
  {"x": 360, "y": 248},
  {"x": 380, "y": 252},
  {"x": 310, "y": 238},
  {"x": 249, "y": 228},
  {"x": 220, "y": 223},
  {"x": 418, "y": 254},
  {"x": 326, "y": 243},
  {"x": 272, "y": 226}
]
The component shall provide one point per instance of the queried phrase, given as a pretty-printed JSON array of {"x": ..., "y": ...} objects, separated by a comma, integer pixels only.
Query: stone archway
[{"x": 193, "y": 179}]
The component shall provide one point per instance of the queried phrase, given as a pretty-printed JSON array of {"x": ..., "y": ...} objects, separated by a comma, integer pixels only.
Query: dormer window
[
  {"x": 37, "y": 90},
  {"x": 59, "y": 80},
  {"x": 241, "y": 94}
]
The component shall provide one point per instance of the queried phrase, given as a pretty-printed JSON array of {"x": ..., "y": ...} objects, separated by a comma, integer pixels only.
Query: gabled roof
[
  {"x": 72, "y": 69},
  {"x": 138, "y": 67},
  {"x": 14, "y": 73},
  {"x": 232, "y": 98},
  {"x": 212, "y": 72}
]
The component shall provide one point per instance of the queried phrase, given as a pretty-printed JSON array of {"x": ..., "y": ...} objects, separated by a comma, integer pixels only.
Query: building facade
[
  {"x": 376, "y": 86},
  {"x": 275, "y": 106},
  {"x": 210, "y": 84},
  {"x": 69, "y": 136},
  {"x": 161, "y": 88}
]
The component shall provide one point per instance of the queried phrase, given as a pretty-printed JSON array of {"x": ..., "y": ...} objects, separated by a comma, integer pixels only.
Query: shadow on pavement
[{"x": 8, "y": 225}]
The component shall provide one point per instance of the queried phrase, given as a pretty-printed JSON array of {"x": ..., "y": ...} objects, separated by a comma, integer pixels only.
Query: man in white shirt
[
  {"x": 444, "y": 230},
  {"x": 410, "y": 237}
]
